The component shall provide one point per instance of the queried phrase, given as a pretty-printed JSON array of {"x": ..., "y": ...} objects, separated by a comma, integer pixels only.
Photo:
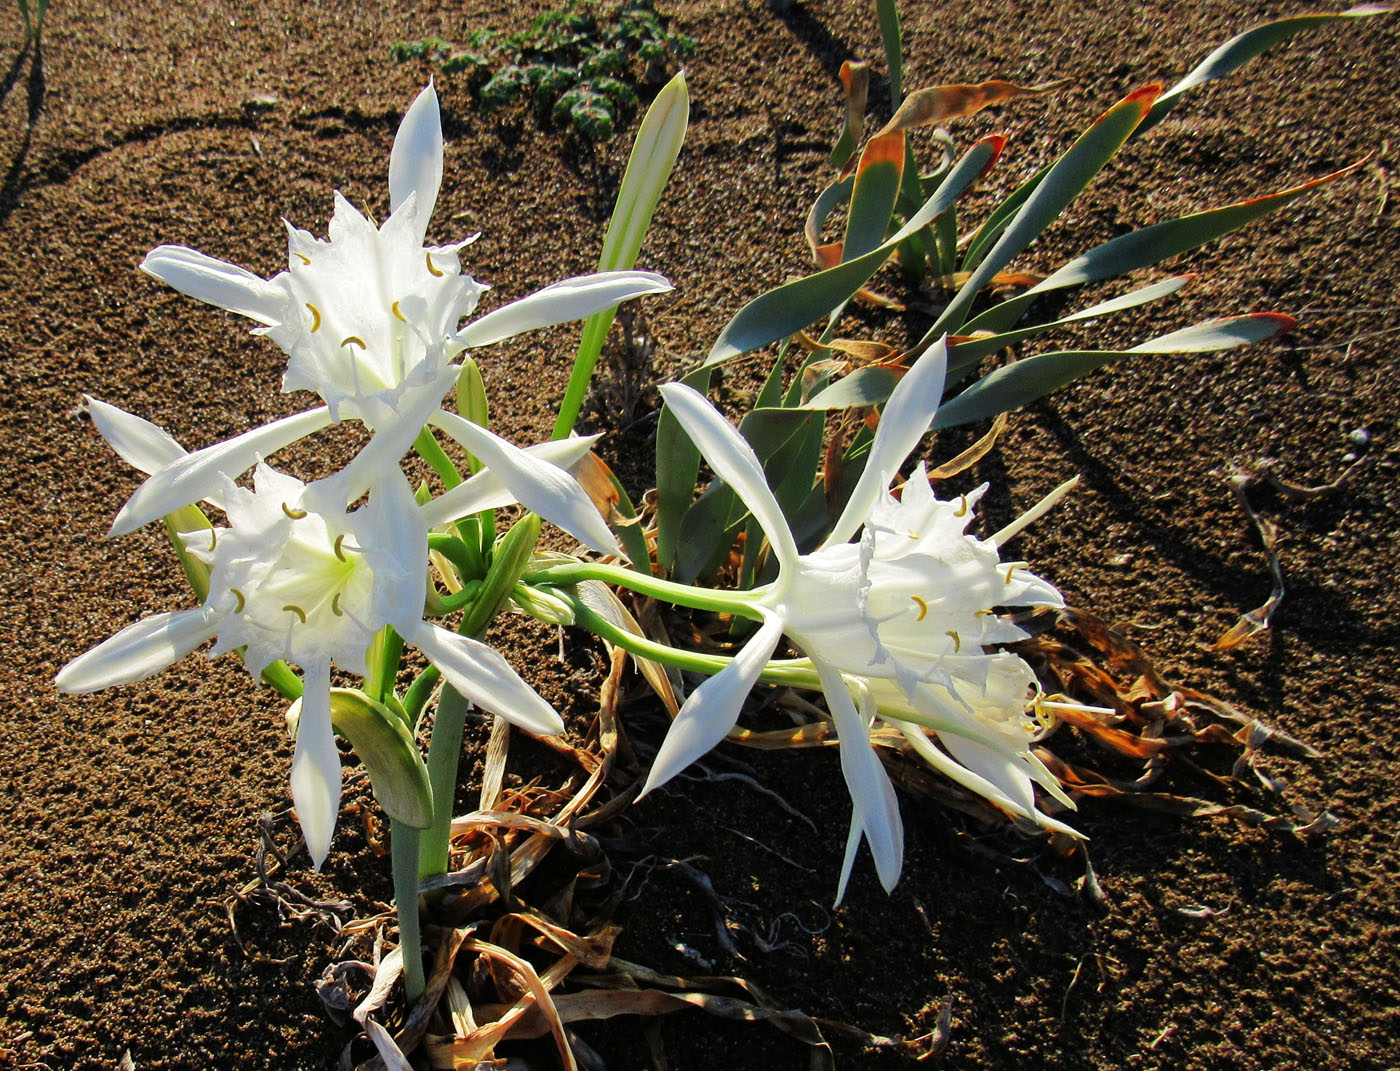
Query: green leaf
[
  {"x": 677, "y": 465},
  {"x": 654, "y": 154},
  {"x": 1066, "y": 179},
  {"x": 1147, "y": 246},
  {"x": 873, "y": 197},
  {"x": 787, "y": 308},
  {"x": 836, "y": 194},
  {"x": 863, "y": 387},
  {"x": 1018, "y": 384},
  {"x": 1238, "y": 51},
  {"x": 964, "y": 355},
  {"x": 999, "y": 219},
  {"x": 386, "y": 747},
  {"x": 887, "y": 12}
]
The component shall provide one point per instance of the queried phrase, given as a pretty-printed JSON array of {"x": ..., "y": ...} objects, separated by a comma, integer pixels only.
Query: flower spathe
[
  {"x": 296, "y": 577},
  {"x": 901, "y": 625}
]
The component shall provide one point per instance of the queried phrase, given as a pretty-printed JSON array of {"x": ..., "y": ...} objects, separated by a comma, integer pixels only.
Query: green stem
[
  {"x": 443, "y": 753},
  {"x": 403, "y": 847},
  {"x": 741, "y": 603},
  {"x": 792, "y": 673}
]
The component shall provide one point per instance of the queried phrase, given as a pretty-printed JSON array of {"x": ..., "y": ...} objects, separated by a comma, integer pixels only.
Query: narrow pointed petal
[
  {"x": 486, "y": 490},
  {"x": 572, "y": 299},
  {"x": 399, "y": 548},
  {"x": 195, "y": 476},
  {"x": 316, "y": 765},
  {"x": 393, "y": 438},
  {"x": 875, "y": 808},
  {"x": 214, "y": 281},
  {"x": 482, "y": 675},
  {"x": 733, "y": 461},
  {"x": 138, "y": 651},
  {"x": 137, "y": 441},
  {"x": 536, "y": 484},
  {"x": 907, "y": 415},
  {"x": 415, "y": 164},
  {"x": 713, "y": 708}
]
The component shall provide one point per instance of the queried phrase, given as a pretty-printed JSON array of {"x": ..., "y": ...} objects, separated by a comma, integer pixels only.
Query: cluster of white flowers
[
  {"x": 370, "y": 320},
  {"x": 904, "y": 624}
]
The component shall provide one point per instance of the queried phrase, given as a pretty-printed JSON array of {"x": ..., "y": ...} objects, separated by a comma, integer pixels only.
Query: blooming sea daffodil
[
  {"x": 901, "y": 623},
  {"x": 370, "y": 318},
  {"x": 294, "y": 576}
]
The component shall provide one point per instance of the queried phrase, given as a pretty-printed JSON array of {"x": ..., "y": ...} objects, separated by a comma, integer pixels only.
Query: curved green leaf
[
  {"x": 790, "y": 307},
  {"x": 865, "y": 386},
  {"x": 1018, "y": 384},
  {"x": 1066, "y": 179},
  {"x": 654, "y": 154},
  {"x": 1238, "y": 51},
  {"x": 1147, "y": 246}
]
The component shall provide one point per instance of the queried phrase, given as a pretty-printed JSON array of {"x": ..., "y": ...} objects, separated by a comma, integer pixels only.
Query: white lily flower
[
  {"x": 903, "y": 619},
  {"x": 370, "y": 316},
  {"x": 294, "y": 576}
]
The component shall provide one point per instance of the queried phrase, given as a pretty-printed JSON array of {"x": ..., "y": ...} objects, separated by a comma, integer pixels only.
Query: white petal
[
  {"x": 733, "y": 461},
  {"x": 482, "y": 675},
  {"x": 713, "y": 708},
  {"x": 393, "y": 438},
  {"x": 485, "y": 490},
  {"x": 397, "y": 547},
  {"x": 195, "y": 476},
  {"x": 138, "y": 651},
  {"x": 907, "y": 415},
  {"x": 415, "y": 164},
  {"x": 136, "y": 440},
  {"x": 536, "y": 484},
  {"x": 874, "y": 807},
  {"x": 571, "y": 299},
  {"x": 219, "y": 283},
  {"x": 316, "y": 765}
]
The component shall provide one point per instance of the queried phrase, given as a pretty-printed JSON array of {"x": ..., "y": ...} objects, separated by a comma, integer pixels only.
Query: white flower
[
  {"x": 903, "y": 619},
  {"x": 294, "y": 576},
  {"x": 370, "y": 318}
]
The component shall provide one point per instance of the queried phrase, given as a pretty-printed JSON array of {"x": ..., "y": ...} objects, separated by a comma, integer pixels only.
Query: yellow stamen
[
  {"x": 242, "y": 602},
  {"x": 316, "y": 317},
  {"x": 394, "y": 308},
  {"x": 356, "y": 340},
  {"x": 294, "y": 514},
  {"x": 213, "y": 539},
  {"x": 335, "y": 606},
  {"x": 302, "y": 257},
  {"x": 338, "y": 552},
  {"x": 957, "y": 640},
  {"x": 296, "y": 610},
  {"x": 428, "y": 257},
  {"x": 961, "y": 511},
  {"x": 923, "y": 607},
  {"x": 1009, "y": 570}
]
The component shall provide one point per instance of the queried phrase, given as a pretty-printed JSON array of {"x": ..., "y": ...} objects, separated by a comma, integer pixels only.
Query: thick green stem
[
  {"x": 403, "y": 846},
  {"x": 443, "y": 753},
  {"x": 741, "y": 603}
]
